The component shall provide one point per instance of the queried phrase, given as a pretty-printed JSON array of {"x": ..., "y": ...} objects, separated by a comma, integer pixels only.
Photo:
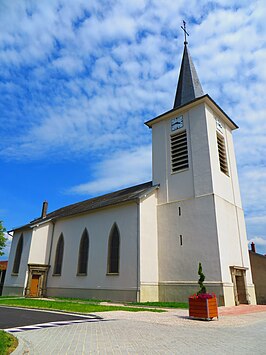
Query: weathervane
[{"x": 185, "y": 31}]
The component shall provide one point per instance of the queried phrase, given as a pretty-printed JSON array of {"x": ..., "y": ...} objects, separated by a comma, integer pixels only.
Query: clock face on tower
[{"x": 177, "y": 123}]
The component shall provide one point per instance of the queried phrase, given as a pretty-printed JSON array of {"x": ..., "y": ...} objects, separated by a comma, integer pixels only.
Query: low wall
[
  {"x": 102, "y": 294},
  {"x": 179, "y": 292},
  {"x": 258, "y": 269},
  {"x": 12, "y": 291}
]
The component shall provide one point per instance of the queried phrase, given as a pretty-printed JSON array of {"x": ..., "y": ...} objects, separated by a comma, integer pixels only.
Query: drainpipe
[{"x": 138, "y": 251}]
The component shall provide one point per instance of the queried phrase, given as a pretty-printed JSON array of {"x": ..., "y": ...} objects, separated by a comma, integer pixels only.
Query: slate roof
[
  {"x": 133, "y": 193},
  {"x": 188, "y": 87}
]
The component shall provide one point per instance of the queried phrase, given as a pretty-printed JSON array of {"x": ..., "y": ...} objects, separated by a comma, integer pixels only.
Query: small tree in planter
[
  {"x": 203, "y": 304},
  {"x": 202, "y": 289}
]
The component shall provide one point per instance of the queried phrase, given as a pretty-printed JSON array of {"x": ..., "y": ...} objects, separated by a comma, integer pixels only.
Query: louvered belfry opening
[
  {"x": 179, "y": 151},
  {"x": 222, "y": 154}
]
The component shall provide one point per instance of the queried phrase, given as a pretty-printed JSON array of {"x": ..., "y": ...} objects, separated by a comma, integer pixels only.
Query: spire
[{"x": 188, "y": 87}]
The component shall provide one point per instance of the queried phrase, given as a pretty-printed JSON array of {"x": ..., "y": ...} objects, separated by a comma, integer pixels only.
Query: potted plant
[{"x": 203, "y": 304}]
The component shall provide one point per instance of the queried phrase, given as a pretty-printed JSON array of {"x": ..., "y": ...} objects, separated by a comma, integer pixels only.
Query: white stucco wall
[
  {"x": 212, "y": 222},
  {"x": 228, "y": 233},
  {"x": 195, "y": 181},
  {"x": 40, "y": 244},
  {"x": 197, "y": 225},
  {"x": 232, "y": 238},
  {"x": 224, "y": 186},
  {"x": 200, "y": 154},
  {"x": 149, "y": 240},
  {"x": 98, "y": 224},
  {"x": 162, "y": 165},
  {"x": 18, "y": 281}
]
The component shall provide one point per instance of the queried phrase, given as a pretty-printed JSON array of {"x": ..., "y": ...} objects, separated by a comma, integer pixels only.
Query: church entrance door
[
  {"x": 239, "y": 281},
  {"x": 241, "y": 289},
  {"x": 36, "y": 283},
  {"x": 34, "y": 287}
]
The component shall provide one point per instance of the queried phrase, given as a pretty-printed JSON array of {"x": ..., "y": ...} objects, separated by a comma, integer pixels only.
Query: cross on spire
[
  {"x": 185, "y": 32},
  {"x": 188, "y": 87}
]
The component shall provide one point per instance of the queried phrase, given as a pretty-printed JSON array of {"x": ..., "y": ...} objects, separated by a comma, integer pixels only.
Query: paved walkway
[{"x": 171, "y": 332}]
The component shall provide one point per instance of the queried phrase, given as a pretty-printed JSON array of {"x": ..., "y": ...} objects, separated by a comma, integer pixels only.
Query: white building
[{"x": 144, "y": 243}]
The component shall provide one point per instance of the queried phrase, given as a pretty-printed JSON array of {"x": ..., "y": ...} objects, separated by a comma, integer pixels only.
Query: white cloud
[
  {"x": 257, "y": 219},
  {"x": 123, "y": 169},
  {"x": 71, "y": 65},
  {"x": 80, "y": 78},
  {"x": 258, "y": 241}
]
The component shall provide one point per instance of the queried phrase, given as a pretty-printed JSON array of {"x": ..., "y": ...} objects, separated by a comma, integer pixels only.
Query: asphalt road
[{"x": 15, "y": 317}]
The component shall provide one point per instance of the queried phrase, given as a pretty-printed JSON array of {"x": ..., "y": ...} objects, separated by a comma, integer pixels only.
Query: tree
[
  {"x": 201, "y": 280},
  {"x": 2, "y": 238}
]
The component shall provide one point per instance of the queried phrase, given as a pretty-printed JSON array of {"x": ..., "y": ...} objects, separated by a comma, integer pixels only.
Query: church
[{"x": 144, "y": 243}]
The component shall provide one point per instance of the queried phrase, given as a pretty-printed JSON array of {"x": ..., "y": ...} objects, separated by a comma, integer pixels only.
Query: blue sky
[{"x": 78, "y": 78}]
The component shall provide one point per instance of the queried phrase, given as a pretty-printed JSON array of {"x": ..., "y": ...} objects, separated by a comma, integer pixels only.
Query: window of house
[
  {"x": 222, "y": 154},
  {"x": 83, "y": 253},
  {"x": 18, "y": 255},
  {"x": 179, "y": 151},
  {"x": 113, "y": 251},
  {"x": 59, "y": 256}
]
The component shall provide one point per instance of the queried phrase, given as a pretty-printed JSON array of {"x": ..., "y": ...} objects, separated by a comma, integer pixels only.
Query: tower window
[
  {"x": 222, "y": 154},
  {"x": 179, "y": 151}
]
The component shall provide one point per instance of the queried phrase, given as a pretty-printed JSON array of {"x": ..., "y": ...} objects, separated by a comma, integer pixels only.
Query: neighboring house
[
  {"x": 258, "y": 268},
  {"x": 144, "y": 243},
  {"x": 3, "y": 267}
]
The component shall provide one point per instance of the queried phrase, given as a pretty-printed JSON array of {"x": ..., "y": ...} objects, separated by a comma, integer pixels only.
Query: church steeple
[{"x": 188, "y": 87}]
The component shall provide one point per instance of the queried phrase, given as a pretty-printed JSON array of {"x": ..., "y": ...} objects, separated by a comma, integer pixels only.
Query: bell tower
[{"x": 200, "y": 216}]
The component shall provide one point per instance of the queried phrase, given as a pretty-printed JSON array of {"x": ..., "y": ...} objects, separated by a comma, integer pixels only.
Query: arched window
[
  {"x": 113, "y": 251},
  {"x": 18, "y": 255},
  {"x": 59, "y": 256},
  {"x": 83, "y": 253}
]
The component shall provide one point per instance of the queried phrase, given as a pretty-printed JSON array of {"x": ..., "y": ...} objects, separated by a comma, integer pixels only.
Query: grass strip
[
  {"x": 82, "y": 300},
  {"x": 70, "y": 306},
  {"x": 8, "y": 343},
  {"x": 182, "y": 305}
]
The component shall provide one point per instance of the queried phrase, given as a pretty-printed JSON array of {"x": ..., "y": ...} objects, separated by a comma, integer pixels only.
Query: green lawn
[
  {"x": 78, "y": 306},
  {"x": 139, "y": 304},
  {"x": 8, "y": 343},
  {"x": 70, "y": 299}
]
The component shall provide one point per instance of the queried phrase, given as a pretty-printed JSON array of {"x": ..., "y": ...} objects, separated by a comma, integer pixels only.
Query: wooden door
[
  {"x": 34, "y": 285},
  {"x": 241, "y": 289}
]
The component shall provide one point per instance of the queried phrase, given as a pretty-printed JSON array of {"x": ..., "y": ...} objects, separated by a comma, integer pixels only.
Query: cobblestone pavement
[{"x": 171, "y": 332}]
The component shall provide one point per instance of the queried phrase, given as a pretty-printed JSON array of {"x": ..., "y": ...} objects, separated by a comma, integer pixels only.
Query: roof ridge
[{"x": 101, "y": 199}]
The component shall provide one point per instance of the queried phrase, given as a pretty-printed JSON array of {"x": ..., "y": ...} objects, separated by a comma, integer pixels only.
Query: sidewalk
[
  {"x": 239, "y": 330},
  {"x": 242, "y": 309}
]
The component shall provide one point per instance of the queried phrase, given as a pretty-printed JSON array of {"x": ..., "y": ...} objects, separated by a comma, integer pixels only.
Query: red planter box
[{"x": 203, "y": 308}]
